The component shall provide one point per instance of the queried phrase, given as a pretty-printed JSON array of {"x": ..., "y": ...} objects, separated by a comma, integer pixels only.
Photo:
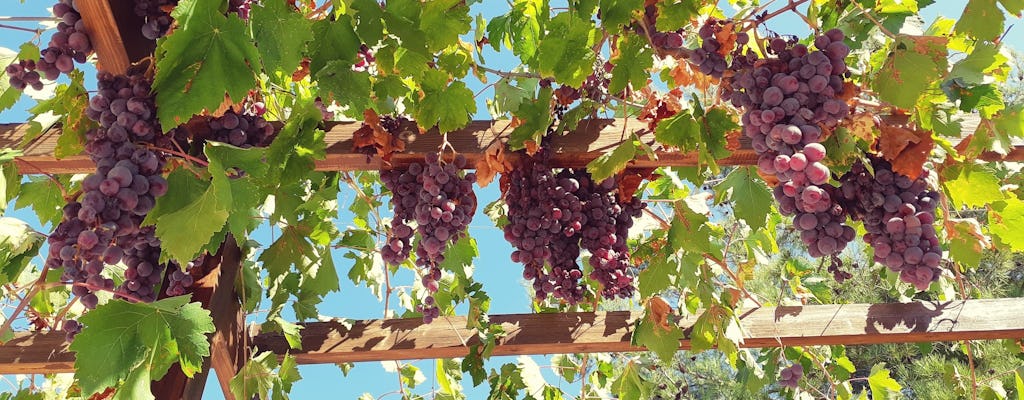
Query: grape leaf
[
  {"x": 981, "y": 19},
  {"x": 333, "y": 41},
  {"x": 966, "y": 241},
  {"x": 752, "y": 201},
  {"x": 675, "y": 14},
  {"x": 8, "y": 95},
  {"x": 509, "y": 97},
  {"x": 680, "y": 130},
  {"x": 19, "y": 243},
  {"x": 662, "y": 342},
  {"x": 207, "y": 56},
  {"x": 631, "y": 64},
  {"x": 183, "y": 188},
  {"x": 615, "y": 13},
  {"x": 520, "y": 29},
  {"x": 279, "y": 49},
  {"x": 912, "y": 66},
  {"x": 535, "y": 117},
  {"x": 68, "y": 103},
  {"x": 403, "y": 20},
  {"x": 138, "y": 342},
  {"x": 567, "y": 56},
  {"x": 630, "y": 386},
  {"x": 264, "y": 378},
  {"x": 346, "y": 87},
  {"x": 443, "y": 21},
  {"x": 659, "y": 275},
  {"x": 369, "y": 21},
  {"x": 985, "y": 58},
  {"x": 186, "y": 231},
  {"x": 882, "y": 386},
  {"x": 688, "y": 231},
  {"x": 971, "y": 185},
  {"x": 986, "y": 99},
  {"x": 1005, "y": 221},
  {"x": 45, "y": 198},
  {"x": 613, "y": 162},
  {"x": 447, "y": 106}
]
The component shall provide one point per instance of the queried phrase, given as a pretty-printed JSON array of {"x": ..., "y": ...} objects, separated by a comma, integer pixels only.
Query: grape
[
  {"x": 790, "y": 376},
  {"x": 71, "y": 329},
  {"x": 69, "y": 45},
  {"x": 898, "y": 214}
]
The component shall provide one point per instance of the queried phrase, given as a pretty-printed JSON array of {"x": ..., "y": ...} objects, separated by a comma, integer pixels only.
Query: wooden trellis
[{"x": 114, "y": 29}]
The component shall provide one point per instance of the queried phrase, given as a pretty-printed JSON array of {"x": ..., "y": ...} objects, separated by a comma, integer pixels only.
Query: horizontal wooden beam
[
  {"x": 447, "y": 337},
  {"x": 575, "y": 149},
  {"x": 849, "y": 324}
]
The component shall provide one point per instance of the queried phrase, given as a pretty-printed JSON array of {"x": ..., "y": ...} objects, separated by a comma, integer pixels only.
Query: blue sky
[{"x": 494, "y": 269}]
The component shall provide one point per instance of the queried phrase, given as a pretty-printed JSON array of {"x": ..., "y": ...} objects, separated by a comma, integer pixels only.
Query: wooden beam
[
  {"x": 402, "y": 339},
  {"x": 850, "y": 324},
  {"x": 229, "y": 345},
  {"x": 115, "y": 33}
]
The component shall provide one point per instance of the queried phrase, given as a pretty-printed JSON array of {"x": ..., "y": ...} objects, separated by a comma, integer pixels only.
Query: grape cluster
[
  {"x": 240, "y": 7},
  {"x": 786, "y": 101},
  {"x": 241, "y": 130},
  {"x": 180, "y": 280},
  {"x": 70, "y": 44},
  {"x": 364, "y": 59},
  {"x": 71, "y": 329},
  {"x": 553, "y": 216},
  {"x": 103, "y": 226},
  {"x": 709, "y": 57},
  {"x": 898, "y": 213},
  {"x": 442, "y": 205},
  {"x": 665, "y": 40},
  {"x": 790, "y": 376},
  {"x": 158, "y": 18}
]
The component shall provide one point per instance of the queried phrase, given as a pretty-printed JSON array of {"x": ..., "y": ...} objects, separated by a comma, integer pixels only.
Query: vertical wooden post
[{"x": 216, "y": 291}]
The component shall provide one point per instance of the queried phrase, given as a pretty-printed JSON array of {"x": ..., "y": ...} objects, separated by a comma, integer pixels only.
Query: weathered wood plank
[
  {"x": 851, "y": 324},
  {"x": 399, "y": 339},
  {"x": 229, "y": 345}
]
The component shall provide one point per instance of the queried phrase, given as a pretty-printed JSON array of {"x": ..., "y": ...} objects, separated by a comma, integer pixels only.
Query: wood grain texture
[
  {"x": 850, "y": 324},
  {"x": 402, "y": 339},
  {"x": 229, "y": 345},
  {"x": 575, "y": 149},
  {"x": 102, "y": 26}
]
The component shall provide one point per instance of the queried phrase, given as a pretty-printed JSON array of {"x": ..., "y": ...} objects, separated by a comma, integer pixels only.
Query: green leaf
[
  {"x": 752, "y": 200},
  {"x": 536, "y": 118},
  {"x": 508, "y": 97},
  {"x": 660, "y": 274},
  {"x": 972, "y": 185},
  {"x": 69, "y": 104},
  {"x": 631, "y": 64},
  {"x": 981, "y": 19},
  {"x": 264, "y": 378},
  {"x": 985, "y": 58},
  {"x": 882, "y": 386},
  {"x": 447, "y": 106},
  {"x": 615, "y": 13},
  {"x": 567, "y": 56},
  {"x": 403, "y": 20},
  {"x": 19, "y": 243},
  {"x": 630, "y": 386},
  {"x": 183, "y": 188},
  {"x": 663, "y": 342},
  {"x": 675, "y": 14},
  {"x": 911, "y": 68},
  {"x": 966, "y": 241},
  {"x": 612, "y": 162},
  {"x": 1005, "y": 220},
  {"x": 680, "y": 130},
  {"x": 280, "y": 49},
  {"x": 345, "y": 86},
  {"x": 369, "y": 21},
  {"x": 521, "y": 29},
  {"x": 1018, "y": 384},
  {"x": 44, "y": 196},
  {"x": 207, "y": 56},
  {"x": 1013, "y": 6},
  {"x": 443, "y": 21},
  {"x": 688, "y": 230},
  {"x": 137, "y": 342},
  {"x": 333, "y": 41},
  {"x": 187, "y": 231}
]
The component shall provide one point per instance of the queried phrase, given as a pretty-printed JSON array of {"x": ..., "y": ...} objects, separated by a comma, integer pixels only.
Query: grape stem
[
  {"x": 508, "y": 74},
  {"x": 179, "y": 154},
  {"x": 25, "y": 300},
  {"x": 31, "y": 19},
  {"x": 63, "y": 190},
  {"x": 18, "y": 28}
]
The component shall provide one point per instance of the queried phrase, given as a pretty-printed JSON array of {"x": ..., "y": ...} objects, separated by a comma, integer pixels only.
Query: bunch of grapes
[
  {"x": 709, "y": 57},
  {"x": 553, "y": 216},
  {"x": 24, "y": 74},
  {"x": 180, "y": 280},
  {"x": 241, "y": 130},
  {"x": 898, "y": 213},
  {"x": 364, "y": 58},
  {"x": 605, "y": 231},
  {"x": 240, "y": 7},
  {"x": 786, "y": 101},
  {"x": 103, "y": 227},
  {"x": 442, "y": 204},
  {"x": 790, "y": 376},
  {"x": 158, "y": 18},
  {"x": 665, "y": 40},
  {"x": 545, "y": 217},
  {"x": 70, "y": 44}
]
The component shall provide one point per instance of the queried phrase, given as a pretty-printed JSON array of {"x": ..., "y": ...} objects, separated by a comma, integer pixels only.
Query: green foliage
[
  {"x": 264, "y": 378},
  {"x": 126, "y": 345}
]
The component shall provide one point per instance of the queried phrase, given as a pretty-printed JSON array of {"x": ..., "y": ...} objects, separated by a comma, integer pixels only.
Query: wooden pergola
[{"x": 114, "y": 29}]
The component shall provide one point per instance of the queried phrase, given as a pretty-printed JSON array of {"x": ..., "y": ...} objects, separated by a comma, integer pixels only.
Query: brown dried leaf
[
  {"x": 850, "y": 90},
  {"x": 302, "y": 71},
  {"x": 862, "y": 126},
  {"x": 910, "y": 161},
  {"x": 727, "y": 38},
  {"x": 684, "y": 74},
  {"x": 628, "y": 185},
  {"x": 770, "y": 179},
  {"x": 658, "y": 311},
  {"x": 894, "y": 139},
  {"x": 732, "y": 140},
  {"x": 531, "y": 147},
  {"x": 492, "y": 163}
]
